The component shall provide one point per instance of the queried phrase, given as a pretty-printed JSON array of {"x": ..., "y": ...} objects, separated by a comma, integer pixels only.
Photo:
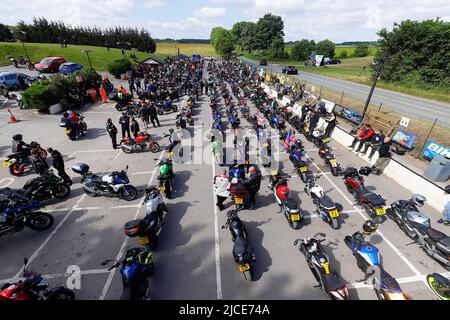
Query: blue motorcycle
[
  {"x": 136, "y": 269},
  {"x": 166, "y": 106},
  {"x": 237, "y": 171},
  {"x": 18, "y": 212},
  {"x": 368, "y": 260}
]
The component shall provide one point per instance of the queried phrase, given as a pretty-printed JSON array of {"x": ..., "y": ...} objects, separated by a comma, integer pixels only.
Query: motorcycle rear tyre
[{"x": 47, "y": 225}]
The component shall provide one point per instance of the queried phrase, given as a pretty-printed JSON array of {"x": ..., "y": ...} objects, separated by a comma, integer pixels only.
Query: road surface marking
[
  {"x": 11, "y": 180},
  {"x": 87, "y": 151},
  {"x": 61, "y": 275},
  {"x": 143, "y": 172},
  {"x": 216, "y": 236}
]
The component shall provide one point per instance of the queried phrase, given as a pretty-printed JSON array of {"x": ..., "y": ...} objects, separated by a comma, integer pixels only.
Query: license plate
[
  {"x": 334, "y": 213},
  {"x": 295, "y": 217},
  {"x": 380, "y": 211},
  {"x": 6, "y": 163},
  {"x": 303, "y": 169},
  {"x": 162, "y": 188},
  {"x": 333, "y": 161},
  {"x": 238, "y": 200},
  {"x": 169, "y": 154},
  {"x": 326, "y": 267},
  {"x": 143, "y": 240},
  {"x": 67, "y": 131},
  {"x": 274, "y": 172},
  {"x": 244, "y": 267}
]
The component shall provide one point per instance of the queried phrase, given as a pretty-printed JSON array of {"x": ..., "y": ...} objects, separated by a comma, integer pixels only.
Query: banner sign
[
  {"x": 404, "y": 139},
  {"x": 432, "y": 149}
]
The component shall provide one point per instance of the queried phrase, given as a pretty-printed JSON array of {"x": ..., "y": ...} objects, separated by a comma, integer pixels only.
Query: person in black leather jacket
[{"x": 253, "y": 183}]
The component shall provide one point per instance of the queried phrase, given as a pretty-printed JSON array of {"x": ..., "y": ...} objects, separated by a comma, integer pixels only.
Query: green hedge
[
  {"x": 119, "y": 67},
  {"x": 40, "y": 96}
]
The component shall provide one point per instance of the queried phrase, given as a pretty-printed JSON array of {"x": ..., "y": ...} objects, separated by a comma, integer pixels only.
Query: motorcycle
[
  {"x": 18, "y": 162},
  {"x": 45, "y": 187},
  {"x": 166, "y": 107},
  {"x": 439, "y": 285},
  {"x": 418, "y": 227},
  {"x": 34, "y": 287},
  {"x": 142, "y": 142},
  {"x": 368, "y": 259},
  {"x": 110, "y": 185},
  {"x": 136, "y": 269},
  {"x": 330, "y": 160},
  {"x": 242, "y": 254},
  {"x": 319, "y": 264},
  {"x": 147, "y": 230},
  {"x": 372, "y": 203},
  {"x": 326, "y": 208},
  {"x": 166, "y": 181},
  {"x": 74, "y": 131},
  {"x": 288, "y": 206},
  {"x": 20, "y": 212}
]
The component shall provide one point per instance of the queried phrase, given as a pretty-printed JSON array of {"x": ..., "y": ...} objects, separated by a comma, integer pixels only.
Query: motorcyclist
[
  {"x": 180, "y": 122},
  {"x": 19, "y": 146}
]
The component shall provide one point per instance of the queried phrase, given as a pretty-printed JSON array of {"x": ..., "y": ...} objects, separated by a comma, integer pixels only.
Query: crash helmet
[
  {"x": 370, "y": 227},
  {"x": 418, "y": 199},
  {"x": 17, "y": 137}
]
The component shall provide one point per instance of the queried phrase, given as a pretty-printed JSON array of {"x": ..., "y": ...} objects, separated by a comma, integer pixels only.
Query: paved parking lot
[{"x": 194, "y": 257}]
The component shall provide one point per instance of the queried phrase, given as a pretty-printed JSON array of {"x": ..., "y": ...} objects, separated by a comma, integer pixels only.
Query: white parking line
[
  {"x": 61, "y": 275},
  {"x": 11, "y": 180},
  {"x": 216, "y": 237},
  {"x": 122, "y": 248},
  {"x": 142, "y": 172},
  {"x": 87, "y": 151}
]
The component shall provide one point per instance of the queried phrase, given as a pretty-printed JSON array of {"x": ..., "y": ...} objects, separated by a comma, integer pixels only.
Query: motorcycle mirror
[
  {"x": 296, "y": 242},
  {"x": 104, "y": 263}
]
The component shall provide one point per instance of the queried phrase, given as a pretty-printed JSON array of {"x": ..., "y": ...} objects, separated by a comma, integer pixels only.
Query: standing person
[
  {"x": 103, "y": 93},
  {"x": 131, "y": 86},
  {"x": 134, "y": 126},
  {"x": 58, "y": 164},
  {"x": 253, "y": 184},
  {"x": 221, "y": 188},
  {"x": 217, "y": 149},
  {"x": 202, "y": 85},
  {"x": 144, "y": 114},
  {"x": 112, "y": 131},
  {"x": 446, "y": 218},
  {"x": 313, "y": 121},
  {"x": 331, "y": 119},
  {"x": 384, "y": 155},
  {"x": 124, "y": 121},
  {"x": 154, "y": 115},
  {"x": 206, "y": 87},
  {"x": 39, "y": 164}
]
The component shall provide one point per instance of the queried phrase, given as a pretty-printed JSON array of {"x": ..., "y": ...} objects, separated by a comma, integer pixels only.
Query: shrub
[
  {"x": 361, "y": 50},
  {"x": 118, "y": 67},
  {"x": 40, "y": 96},
  {"x": 343, "y": 54}
]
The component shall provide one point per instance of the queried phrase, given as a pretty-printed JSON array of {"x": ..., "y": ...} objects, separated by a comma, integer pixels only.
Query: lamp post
[
  {"x": 374, "y": 83},
  {"x": 89, "y": 59},
  {"x": 23, "y": 46}
]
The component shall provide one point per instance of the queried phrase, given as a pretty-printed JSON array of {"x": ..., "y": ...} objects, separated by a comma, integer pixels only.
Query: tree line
[{"x": 43, "y": 31}]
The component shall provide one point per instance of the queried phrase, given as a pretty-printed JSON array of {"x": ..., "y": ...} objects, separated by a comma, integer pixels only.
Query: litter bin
[{"x": 438, "y": 169}]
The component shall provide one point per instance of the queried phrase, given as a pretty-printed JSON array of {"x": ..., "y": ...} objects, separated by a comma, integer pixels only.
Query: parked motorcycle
[
  {"x": 147, "y": 230},
  {"x": 326, "y": 208},
  {"x": 110, "y": 185},
  {"x": 329, "y": 159},
  {"x": 439, "y": 285},
  {"x": 142, "y": 142},
  {"x": 368, "y": 260},
  {"x": 372, "y": 203},
  {"x": 75, "y": 131},
  {"x": 34, "y": 287},
  {"x": 45, "y": 187},
  {"x": 136, "y": 269},
  {"x": 289, "y": 207},
  {"x": 166, "y": 177},
  {"x": 418, "y": 227},
  {"x": 19, "y": 212},
  {"x": 18, "y": 162},
  {"x": 242, "y": 254},
  {"x": 319, "y": 264},
  {"x": 166, "y": 107}
]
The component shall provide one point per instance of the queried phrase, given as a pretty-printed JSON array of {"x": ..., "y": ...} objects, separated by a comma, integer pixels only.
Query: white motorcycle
[{"x": 326, "y": 208}]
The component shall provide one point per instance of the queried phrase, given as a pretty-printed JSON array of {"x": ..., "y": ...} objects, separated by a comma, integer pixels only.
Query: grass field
[
  {"x": 188, "y": 49},
  {"x": 100, "y": 57}
]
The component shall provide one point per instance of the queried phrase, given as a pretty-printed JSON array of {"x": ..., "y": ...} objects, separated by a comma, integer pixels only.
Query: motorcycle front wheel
[
  {"x": 437, "y": 288},
  {"x": 61, "y": 191},
  {"x": 129, "y": 194},
  {"x": 40, "y": 221}
]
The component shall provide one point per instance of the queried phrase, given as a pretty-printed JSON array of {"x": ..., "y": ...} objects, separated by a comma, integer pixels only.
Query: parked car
[
  {"x": 12, "y": 82},
  {"x": 289, "y": 70},
  {"x": 69, "y": 67},
  {"x": 334, "y": 61},
  {"x": 263, "y": 62},
  {"x": 50, "y": 64}
]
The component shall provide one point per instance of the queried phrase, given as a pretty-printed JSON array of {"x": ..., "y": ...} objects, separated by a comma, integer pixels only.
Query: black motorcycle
[
  {"x": 319, "y": 264},
  {"x": 110, "y": 185},
  {"x": 136, "y": 269},
  {"x": 330, "y": 159},
  {"x": 45, "y": 187},
  {"x": 243, "y": 256}
]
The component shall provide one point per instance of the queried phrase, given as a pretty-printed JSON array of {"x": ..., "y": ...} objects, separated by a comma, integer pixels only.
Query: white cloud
[
  {"x": 208, "y": 12},
  {"x": 152, "y": 4}
]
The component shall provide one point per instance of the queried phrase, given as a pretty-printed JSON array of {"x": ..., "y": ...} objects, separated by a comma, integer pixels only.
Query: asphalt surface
[
  {"x": 194, "y": 257},
  {"x": 403, "y": 104}
]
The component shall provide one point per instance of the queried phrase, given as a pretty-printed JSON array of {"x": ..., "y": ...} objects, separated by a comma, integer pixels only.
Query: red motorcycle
[
  {"x": 143, "y": 141},
  {"x": 34, "y": 287},
  {"x": 372, "y": 203}
]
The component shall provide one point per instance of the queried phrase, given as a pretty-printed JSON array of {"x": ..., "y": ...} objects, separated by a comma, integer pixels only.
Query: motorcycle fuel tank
[{"x": 418, "y": 218}]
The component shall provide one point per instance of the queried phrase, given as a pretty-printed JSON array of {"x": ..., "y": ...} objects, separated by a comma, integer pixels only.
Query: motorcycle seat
[
  {"x": 332, "y": 282},
  {"x": 240, "y": 247},
  {"x": 326, "y": 202},
  {"x": 436, "y": 235},
  {"x": 373, "y": 198},
  {"x": 389, "y": 282},
  {"x": 95, "y": 178},
  {"x": 291, "y": 204}
]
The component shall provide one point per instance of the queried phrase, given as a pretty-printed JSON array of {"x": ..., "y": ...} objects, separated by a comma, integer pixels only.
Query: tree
[
  {"x": 301, "y": 50},
  {"x": 326, "y": 48},
  {"x": 5, "y": 33},
  {"x": 276, "y": 50},
  {"x": 222, "y": 40},
  {"x": 248, "y": 41},
  {"x": 269, "y": 28},
  {"x": 362, "y": 50},
  {"x": 416, "y": 53}
]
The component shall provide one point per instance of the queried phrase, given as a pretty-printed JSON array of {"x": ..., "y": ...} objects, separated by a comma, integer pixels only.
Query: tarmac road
[
  {"x": 402, "y": 103},
  {"x": 194, "y": 257}
]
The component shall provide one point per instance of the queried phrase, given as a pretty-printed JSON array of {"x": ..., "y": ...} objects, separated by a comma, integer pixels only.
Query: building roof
[{"x": 152, "y": 61}]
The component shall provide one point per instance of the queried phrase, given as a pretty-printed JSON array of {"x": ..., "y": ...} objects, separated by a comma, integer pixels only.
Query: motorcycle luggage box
[
  {"x": 80, "y": 168},
  {"x": 131, "y": 228}
]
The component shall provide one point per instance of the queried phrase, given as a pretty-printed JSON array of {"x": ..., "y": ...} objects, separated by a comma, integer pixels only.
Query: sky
[{"x": 337, "y": 20}]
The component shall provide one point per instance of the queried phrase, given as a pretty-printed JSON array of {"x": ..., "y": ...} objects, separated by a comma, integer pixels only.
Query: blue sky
[{"x": 337, "y": 20}]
